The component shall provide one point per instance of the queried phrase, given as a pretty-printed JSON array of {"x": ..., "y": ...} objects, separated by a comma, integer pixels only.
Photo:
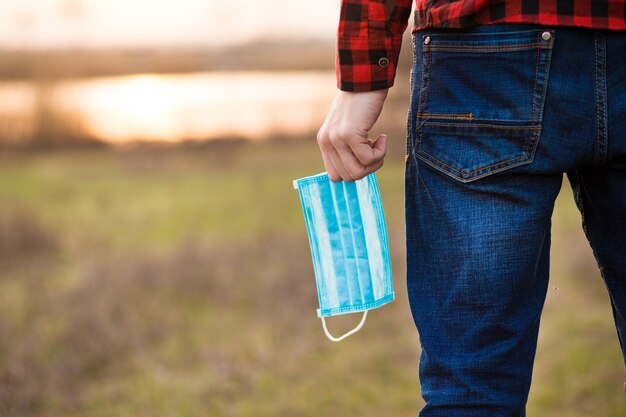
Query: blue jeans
[{"x": 498, "y": 114}]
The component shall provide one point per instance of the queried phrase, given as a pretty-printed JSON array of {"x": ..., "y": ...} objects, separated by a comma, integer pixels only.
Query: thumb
[{"x": 379, "y": 147}]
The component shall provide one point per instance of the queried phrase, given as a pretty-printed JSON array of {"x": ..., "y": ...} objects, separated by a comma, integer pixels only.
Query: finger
[
  {"x": 335, "y": 159},
  {"x": 333, "y": 175},
  {"x": 374, "y": 167},
  {"x": 366, "y": 152},
  {"x": 355, "y": 169},
  {"x": 379, "y": 148},
  {"x": 334, "y": 169}
]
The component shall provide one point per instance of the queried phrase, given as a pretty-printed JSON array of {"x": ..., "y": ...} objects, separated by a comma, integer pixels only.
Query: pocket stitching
[
  {"x": 529, "y": 147},
  {"x": 490, "y": 126},
  {"x": 487, "y": 48},
  {"x": 461, "y": 116},
  {"x": 462, "y": 173},
  {"x": 532, "y": 112},
  {"x": 476, "y": 177},
  {"x": 422, "y": 98}
]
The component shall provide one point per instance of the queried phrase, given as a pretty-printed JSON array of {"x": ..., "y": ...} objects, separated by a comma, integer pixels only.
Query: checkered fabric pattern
[
  {"x": 370, "y": 32},
  {"x": 368, "y": 43}
]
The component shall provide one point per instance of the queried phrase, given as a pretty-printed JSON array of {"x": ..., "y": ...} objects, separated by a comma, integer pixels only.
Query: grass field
[{"x": 178, "y": 282}]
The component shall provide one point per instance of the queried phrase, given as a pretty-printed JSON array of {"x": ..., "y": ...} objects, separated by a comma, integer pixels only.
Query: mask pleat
[
  {"x": 347, "y": 284},
  {"x": 358, "y": 243},
  {"x": 328, "y": 242},
  {"x": 372, "y": 237}
]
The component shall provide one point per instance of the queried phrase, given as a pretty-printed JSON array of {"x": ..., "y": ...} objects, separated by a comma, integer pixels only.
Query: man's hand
[{"x": 347, "y": 152}]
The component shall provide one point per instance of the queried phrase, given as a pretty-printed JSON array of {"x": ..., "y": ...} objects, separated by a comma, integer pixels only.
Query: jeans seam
[
  {"x": 600, "y": 93},
  {"x": 603, "y": 137},
  {"x": 525, "y": 155},
  {"x": 468, "y": 178},
  {"x": 485, "y": 48},
  {"x": 408, "y": 140},
  {"x": 425, "y": 62},
  {"x": 532, "y": 143},
  {"x": 595, "y": 63},
  {"x": 532, "y": 111},
  {"x": 462, "y": 116},
  {"x": 494, "y": 126},
  {"x": 546, "y": 71}
]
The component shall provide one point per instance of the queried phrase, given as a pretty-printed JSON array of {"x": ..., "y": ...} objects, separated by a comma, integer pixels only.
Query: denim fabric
[{"x": 498, "y": 114}]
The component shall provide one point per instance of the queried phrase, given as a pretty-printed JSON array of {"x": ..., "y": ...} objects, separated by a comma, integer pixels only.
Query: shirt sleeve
[{"x": 368, "y": 43}]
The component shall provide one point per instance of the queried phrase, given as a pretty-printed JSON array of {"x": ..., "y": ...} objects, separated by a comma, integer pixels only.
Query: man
[{"x": 506, "y": 96}]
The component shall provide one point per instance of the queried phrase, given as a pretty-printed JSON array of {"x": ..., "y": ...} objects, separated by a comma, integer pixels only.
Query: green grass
[{"x": 179, "y": 282}]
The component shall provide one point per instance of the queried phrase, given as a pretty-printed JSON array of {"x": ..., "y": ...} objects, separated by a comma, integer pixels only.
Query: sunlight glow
[
  {"x": 202, "y": 106},
  {"x": 157, "y": 23}
]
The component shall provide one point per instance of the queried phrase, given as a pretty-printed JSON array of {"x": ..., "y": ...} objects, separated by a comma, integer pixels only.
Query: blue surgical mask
[{"x": 348, "y": 238}]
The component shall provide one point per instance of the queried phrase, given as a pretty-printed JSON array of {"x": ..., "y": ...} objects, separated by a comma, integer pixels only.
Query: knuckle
[
  {"x": 334, "y": 138},
  {"x": 344, "y": 133},
  {"x": 358, "y": 173},
  {"x": 325, "y": 145},
  {"x": 367, "y": 159},
  {"x": 374, "y": 166},
  {"x": 321, "y": 137}
]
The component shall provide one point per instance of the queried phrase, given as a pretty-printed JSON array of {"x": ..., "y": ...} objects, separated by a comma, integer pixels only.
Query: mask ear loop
[{"x": 350, "y": 333}]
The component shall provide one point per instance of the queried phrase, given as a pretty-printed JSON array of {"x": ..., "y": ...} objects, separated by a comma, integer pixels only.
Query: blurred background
[{"x": 153, "y": 253}]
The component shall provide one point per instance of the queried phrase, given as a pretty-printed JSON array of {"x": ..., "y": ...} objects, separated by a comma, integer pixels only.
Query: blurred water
[{"x": 168, "y": 108}]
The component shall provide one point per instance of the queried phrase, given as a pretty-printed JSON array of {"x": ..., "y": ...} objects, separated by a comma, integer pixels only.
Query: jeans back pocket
[{"x": 481, "y": 100}]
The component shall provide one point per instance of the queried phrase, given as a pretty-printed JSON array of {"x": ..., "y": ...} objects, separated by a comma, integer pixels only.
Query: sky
[{"x": 131, "y": 23}]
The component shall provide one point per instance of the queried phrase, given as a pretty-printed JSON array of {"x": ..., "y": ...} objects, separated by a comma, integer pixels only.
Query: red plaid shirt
[{"x": 370, "y": 31}]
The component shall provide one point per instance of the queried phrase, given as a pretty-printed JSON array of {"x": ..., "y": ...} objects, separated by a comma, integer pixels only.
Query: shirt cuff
[{"x": 366, "y": 64}]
